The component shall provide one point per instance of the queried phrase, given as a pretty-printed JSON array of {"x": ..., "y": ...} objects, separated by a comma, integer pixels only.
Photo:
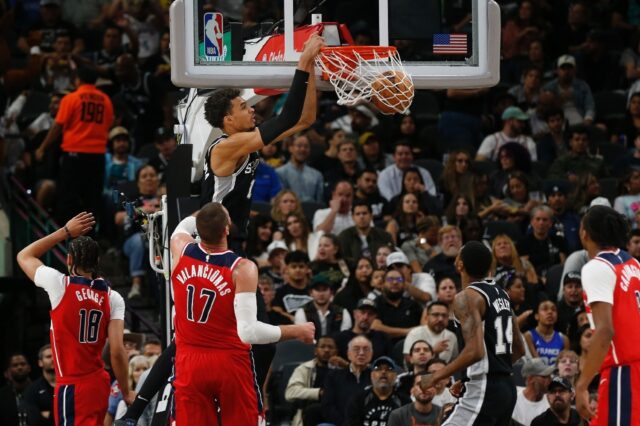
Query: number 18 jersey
[{"x": 203, "y": 293}]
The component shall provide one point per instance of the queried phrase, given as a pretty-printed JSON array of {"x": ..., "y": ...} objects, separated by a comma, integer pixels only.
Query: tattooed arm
[{"x": 468, "y": 307}]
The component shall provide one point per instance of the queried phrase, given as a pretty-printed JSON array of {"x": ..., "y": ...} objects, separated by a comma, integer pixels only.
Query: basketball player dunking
[
  {"x": 230, "y": 165},
  {"x": 611, "y": 282},
  {"x": 492, "y": 342}
]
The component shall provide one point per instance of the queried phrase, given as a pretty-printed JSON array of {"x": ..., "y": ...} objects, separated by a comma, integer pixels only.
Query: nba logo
[{"x": 213, "y": 44}]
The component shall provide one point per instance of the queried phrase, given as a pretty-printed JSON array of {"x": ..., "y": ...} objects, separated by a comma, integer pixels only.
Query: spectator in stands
[
  {"x": 58, "y": 67},
  {"x": 342, "y": 384},
  {"x": 441, "y": 266},
  {"x": 422, "y": 411},
  {"x": 112, "y": 46},
  {"x": 146, "y": 20},
  {"x": 514, "y": 120},
  {"x": 284, "y": 203},
  {"x": 297, "y": 235},
  {"x": 628, "y": 202},
  {"x": 527, "y": 92},
  {"x": 459, "y": 210},
  {"x": 47, "y": 27},
  {"x": 329, "y": 261},
  {"x": 633, "y": 245},
  {"x": 531, "y": 400},
  {"x": 165, "y": 145},
  {"x": 555, "y": 142},
  {"x": 266, "y": 184},
  {"x": 443, "y": 387},
  {"x": 294, "y": 293},
  {"x": 373, "y": 157},
  {"x": 396, "y": 314},
  {"x": 512, "y": 157},
  {"x": 515, "y": 287},
  {"x": 560, "y": 395},
  {"x": 121, "y": 166},
  {"x": 152, "y": 347},
  {"x": 571, "y": 301},
  {"x": 518, "y": 202},
  {"x": 348, "y": 169},
  {"x": 358, "y": 120},
  {"x": 434, "y": 331},
  {"x": 567, "y": 366},
  {"x": 337, "y": 217},
  {"x": 146, "y": 197},
  {"x": 456, "y": 176},
  {"x": 364, "y": 315},
  {"x": 566, "y": 223},
  {"x": 268, "y": 291},
  {"x": 306, "y": 384},
  {"x": 84, "y": 142},
  {"x": 258, "y": 239},
  {"x": 507, "y": 261},
  {"x": 296, "y": 175},
  {"x": 403, "y": 227},
  {"x": 367, "y": 190},
  {"x": 38, "y": 397},
  {"x": 328, "y": 317},
  {"x": 596, "y": 63},
  {"x": 578, "y": 160},
  {"x": 420, "y": 286},
  {"x": 362, "y": 239},
  {"x": 16, "y": 372},
  {"x": 586, "y": 192},
  {"x": 541, "y": 248},
  {"x": 575, "y": 94},
  {"x": 628, "y": 130},
  {"x": 420, "y": 354},
  {"x": 374, "y": 404},
  {"x": 543, "y": 341},
  {"x": 390, "y": 181},
  {"x": 519, "y": 31},
  {"x": 445, "y": 292},
  {"x": 425, "y": 246},
  {"x": 358, "y": 286},
  {"x": 275, "y": 267}
]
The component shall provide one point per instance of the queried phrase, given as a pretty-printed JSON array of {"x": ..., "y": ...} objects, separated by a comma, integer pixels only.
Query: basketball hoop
[{"x": 367, "y": 73}]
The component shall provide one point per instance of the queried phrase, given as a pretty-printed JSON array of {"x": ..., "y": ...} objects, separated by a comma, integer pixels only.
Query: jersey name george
[
  {"x": 234, "y": 191},
  {"x": 79, "y": 325},
  {"x": 204, "y": 293}
]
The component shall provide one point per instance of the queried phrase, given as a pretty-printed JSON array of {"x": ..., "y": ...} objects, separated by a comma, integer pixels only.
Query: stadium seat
[
  {"x": 309, "y": 208},
  {"x": 434, "y": 167},
  {"x": 487, "y": 167},
  {"x": 609, "y": 188},
  {"x": 611, "y": 153},
  {"x": 280, "y": 409},
  {"x": 610, "y": 105},
  {"x": 263, "y": 209},
  {"x": 291, "y": 351},
  {"x": 498, "y": 227}
]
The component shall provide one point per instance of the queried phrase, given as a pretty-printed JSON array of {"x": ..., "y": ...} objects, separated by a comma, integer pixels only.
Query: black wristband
[{"x": 291, "y": 111}]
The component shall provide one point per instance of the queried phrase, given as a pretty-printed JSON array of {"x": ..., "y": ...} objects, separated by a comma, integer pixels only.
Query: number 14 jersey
[{"x": 203, "y": 293}]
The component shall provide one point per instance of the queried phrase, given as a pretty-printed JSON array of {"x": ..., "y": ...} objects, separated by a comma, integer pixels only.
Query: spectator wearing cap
[
  {"x": 358, "y": 120},
  {"x": 397, "y": 314},
  {"x": 555, "y": 142},
  {"x": 372, "y": 155},
  {"x": 442, "y": 265},
  {"x": 633, "y": 245},
  {"x": 578, "y": 161},
  {"x": 560, "y": 395},
  {"x": 571, "y": 301},
  {"x": 120, "y": 165},
  {"x": 421, "y": 286},
  {"x": 362, "y": 239},
  {"x": 328, "y": 317},
  {"x": 514, "y": 121},
  {"x": 342, "y": 384},
  {"x": 434, "y": 331},
  {"x": 566, "y": 223},
  {"x": 296, "y": 175},
  {"x": 364, "y": 314},
  {"x": 366, "y": 189},
  {"x": 293, "y": 294},
  {"x": 391, "y": 178},
  {"x": 575, "y": 94},
  {"x": 375, "y": 403},
  {"x": 276, "y": 252},
  {"x": 421, "y": 411},
  {"x": 425, "y": 246},
  {"x": 531, "y": 401},
  {"x": 165, "y": 143}
]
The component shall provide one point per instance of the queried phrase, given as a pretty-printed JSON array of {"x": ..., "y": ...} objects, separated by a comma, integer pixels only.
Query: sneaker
[
  {"x": 125, "y": 422},
  {"x": 135, "y": 291}
]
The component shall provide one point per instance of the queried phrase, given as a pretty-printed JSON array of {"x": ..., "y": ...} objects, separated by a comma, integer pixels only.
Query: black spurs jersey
[
  {"x": 234, "y": 191},
  {"x": 498, "y": 331}
]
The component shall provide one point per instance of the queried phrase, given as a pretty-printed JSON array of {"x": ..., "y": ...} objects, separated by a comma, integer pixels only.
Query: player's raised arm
[
  {"x": 29, "y": 257},
  {"x": 182, "y": 235},
  {"x": 250, "y": 330}
]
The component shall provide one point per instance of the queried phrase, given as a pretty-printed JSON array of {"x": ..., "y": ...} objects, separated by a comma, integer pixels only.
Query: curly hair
[
  {"x": 85, "y": 255},
  {"x": 218, "y": 105}
]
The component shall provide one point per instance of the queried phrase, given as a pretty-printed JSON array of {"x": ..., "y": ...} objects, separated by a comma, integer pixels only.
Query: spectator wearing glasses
[
  {"x": 434, "y": 331},
  {"x": 560, "y": 395}
]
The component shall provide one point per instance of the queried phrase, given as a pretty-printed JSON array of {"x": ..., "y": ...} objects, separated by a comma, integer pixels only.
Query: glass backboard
[{"x": 252, "y": 43}]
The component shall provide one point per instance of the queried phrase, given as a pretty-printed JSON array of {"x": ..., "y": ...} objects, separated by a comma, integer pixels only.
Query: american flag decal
[{"x": 450, "y": 44}]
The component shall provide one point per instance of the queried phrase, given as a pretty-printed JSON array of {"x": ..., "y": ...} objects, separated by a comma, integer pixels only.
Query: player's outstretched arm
[
  {"x": 119, "y": 360},
  {"x": 468, "y": 307},
  {"x": 598, "y": 348},
  {"x": 182, "y": 235},
  {"x": 29, "y": 257},
  {"x": 250, "y": 330}
]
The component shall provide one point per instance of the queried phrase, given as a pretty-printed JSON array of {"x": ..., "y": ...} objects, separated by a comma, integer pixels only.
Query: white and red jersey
[
  {"x": 81, "y": 309},
  {"x": 203, "y": 294},
  {"x": 613, "y": 277}
]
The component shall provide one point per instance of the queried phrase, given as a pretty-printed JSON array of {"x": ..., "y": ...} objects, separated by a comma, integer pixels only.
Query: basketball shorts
[
  {"x": 82, "y": 402},
  {"x": 218, "y": 388},
  {"x": 618, "y": 397},
  {"x": 487, "y": 401}
]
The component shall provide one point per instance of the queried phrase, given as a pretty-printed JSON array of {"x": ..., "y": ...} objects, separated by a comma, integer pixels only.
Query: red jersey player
[
  {"x": 214, "y": 292},
  {"x": 84, "y": 313},
  {"x": 611, "y": 281}
]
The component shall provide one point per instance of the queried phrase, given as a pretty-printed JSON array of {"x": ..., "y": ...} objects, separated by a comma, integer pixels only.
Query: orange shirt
[{"x": 86, "y": 116}]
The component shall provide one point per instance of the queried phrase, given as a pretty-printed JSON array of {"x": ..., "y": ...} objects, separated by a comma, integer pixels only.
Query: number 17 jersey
[{"x": 203, "y": 293}]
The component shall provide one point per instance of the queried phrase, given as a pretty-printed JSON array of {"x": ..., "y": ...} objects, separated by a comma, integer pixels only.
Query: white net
[{"x": 372, "y": 74}]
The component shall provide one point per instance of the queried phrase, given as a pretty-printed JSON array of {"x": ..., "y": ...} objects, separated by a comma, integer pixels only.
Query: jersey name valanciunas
[
  {"x": 203, "y": 294},
  {"x": 234, "y": 191},
  {"x": 79, "y": 325},
  {"x": 498, "y": 331}
]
